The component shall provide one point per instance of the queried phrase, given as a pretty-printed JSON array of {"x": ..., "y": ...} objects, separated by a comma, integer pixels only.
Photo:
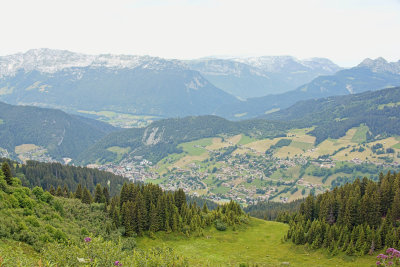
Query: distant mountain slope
[
  {"x": 333, "y": 116},
  {"x": 130, "y": 84},
  {"x": 369, "y": 75},
  {"x": 260, "y": 76},
  {"x": 61, "y": 134},
  {"x": 162, "y": 137}
]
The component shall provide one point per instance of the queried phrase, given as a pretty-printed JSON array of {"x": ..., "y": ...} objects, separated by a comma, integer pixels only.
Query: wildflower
[
  {"x": 88, "y": 239},
  {"x": 390, "y": 263},
  {"x": 378, "y": 263},
  {"x": 117, "y": 263}
]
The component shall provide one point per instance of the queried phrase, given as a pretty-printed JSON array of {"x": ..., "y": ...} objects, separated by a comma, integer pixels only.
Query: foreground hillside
[{"x": 40, "y": 229}]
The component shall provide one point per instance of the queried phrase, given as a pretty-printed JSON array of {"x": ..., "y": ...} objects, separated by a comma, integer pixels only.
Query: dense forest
[
  {"x": 47, "y": 175},
  {"x": 62, "y": 134},
  {"x": 334, "y": 116},
  {"x": 274, "y": 211},
  {"x": 356, "y": 218}
]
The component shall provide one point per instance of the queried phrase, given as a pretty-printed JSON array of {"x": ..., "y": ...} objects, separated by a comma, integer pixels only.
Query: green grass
[
  {"x": 220, "y": 190},
  {"x": 123, "y": 120},
  {"x": 390, "y": 105},
  {"x": 195, "y": 148},
  {"x": 261, "y": 243},
  {"x": 120, "y": 151},
  {"x": 302, "y": 145},
  {"x": 361, "y": 134},
  {"x": 246, "y": 140},
  {"x": 397, "y": 146}
]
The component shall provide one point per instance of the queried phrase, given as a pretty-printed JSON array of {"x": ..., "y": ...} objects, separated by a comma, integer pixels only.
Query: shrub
[
  {"x": 38, "y": 192},
  {"x": 220, "y": 226}
]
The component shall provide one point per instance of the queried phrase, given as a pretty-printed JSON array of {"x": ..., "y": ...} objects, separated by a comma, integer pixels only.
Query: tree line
[
  {"x": 356, "y": 218},
  {"x": 146, "y": 208},
  {"x": 47, "y": 175}
]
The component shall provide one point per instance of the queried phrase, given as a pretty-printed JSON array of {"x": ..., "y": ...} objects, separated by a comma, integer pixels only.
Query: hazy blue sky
[{"x": 345, "y": 31}]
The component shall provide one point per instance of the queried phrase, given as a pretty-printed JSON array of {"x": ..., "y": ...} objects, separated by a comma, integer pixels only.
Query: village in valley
[
  {"x": 221, "y": 170},
  {"x": 249, "y": 170}
]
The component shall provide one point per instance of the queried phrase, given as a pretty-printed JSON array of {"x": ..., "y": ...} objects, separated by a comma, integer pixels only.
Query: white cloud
[{"x": 344, "y": 30}]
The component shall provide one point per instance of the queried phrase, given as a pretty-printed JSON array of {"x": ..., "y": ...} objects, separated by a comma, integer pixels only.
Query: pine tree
[
  {"x": 396, "y": 206},
  {"x": 52, "y": 190},
  {"x": 59, "y": 191},
  {"x": 65, "y": 191},
  {"x": 153, "y": 219},
  {"x": 141, "y": 213},
  {"x": 98, "y": 194},
  {"x": 124, "y": 196},
  {"x": 205, "y": 208},
  {"x": 5, "y": 168},
  {"x": 86, "y": 196},
  {"x": 350, "y": 248},
  {"x": 106, "y": 195},
  {"x": 78, "y": 192},
  {"x": 180, "y": 199}
]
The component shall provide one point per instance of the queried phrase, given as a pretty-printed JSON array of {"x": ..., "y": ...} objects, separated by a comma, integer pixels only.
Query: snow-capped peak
[
  {"x": 50, "y": 61},
  {"x": 380, "y": 65}
]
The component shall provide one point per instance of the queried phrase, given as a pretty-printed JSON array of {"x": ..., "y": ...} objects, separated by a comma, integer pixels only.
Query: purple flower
[
  {"x": 382, "y": 256},
  {"x": 390, "y": 263},
  {"x": 87, "y": 239},
  {"x": 117, "y": 263},
  {"x": 378, "y": 263}
]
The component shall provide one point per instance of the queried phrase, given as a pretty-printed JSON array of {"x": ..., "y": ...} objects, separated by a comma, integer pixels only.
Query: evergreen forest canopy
[
  {"x": 61, "y": 134},
  {"x": 358, "y": 218},
  {"x": 53, "y": 175},
  {"x": 334, "y": 116}
]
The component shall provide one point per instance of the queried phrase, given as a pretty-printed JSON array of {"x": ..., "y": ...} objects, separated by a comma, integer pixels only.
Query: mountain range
[
  {"x": 260, "y": 76},
  {"x": 368, "y": 75},
  {"x": 143, "y": 85}
]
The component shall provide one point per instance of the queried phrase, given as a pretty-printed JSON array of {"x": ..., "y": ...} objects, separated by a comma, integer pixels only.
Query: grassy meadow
[{"x": 260, "y": 243}]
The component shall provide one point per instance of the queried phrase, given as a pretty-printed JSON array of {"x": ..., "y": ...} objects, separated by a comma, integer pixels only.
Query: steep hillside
[
  {"x": 260, "y": 76},
  {"x": 127, "y": 84},
  {"x": 162, "y": 137},
  {"x": 369, "y": 75},
  {"x": 334, "y": 116},
  {"x": 53, "y": 132}
]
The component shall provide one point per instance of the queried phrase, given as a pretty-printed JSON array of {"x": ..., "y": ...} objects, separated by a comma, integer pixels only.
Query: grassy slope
[{"x": 259, "y": 244}]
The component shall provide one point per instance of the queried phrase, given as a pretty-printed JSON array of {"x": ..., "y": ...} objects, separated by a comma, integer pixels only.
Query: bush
[
  {"x": 38, "y": 192},
  {"x": 47, "y": 197},
  {"x": 3, "y": 184},
  {"x": 58, "y": 206},
  {"x": 220, "y": 226},
  {"x": 128, "y": 243}
]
